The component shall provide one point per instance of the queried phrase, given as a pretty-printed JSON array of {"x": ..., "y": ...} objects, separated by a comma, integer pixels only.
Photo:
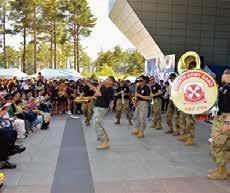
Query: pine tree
[
  {"x": 80, "y": 22},
  {"x": 52, "y": 19},
  {"x": 21, "y": 15},
  {"x": 4, "y": 11}
]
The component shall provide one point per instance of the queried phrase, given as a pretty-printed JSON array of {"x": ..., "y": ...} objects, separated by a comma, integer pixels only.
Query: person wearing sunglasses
[{"x": 142, "y": 95}]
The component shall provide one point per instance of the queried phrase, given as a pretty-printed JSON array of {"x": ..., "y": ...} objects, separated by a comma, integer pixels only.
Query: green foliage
[
  {"x": 53, "y": 28},
  {"x": 12, "y": 57},
  {"x": 135, "y": 63},
  {"x": 86, "y": 61},
  {"x": 52, "y": 31},
  {"x": 43, "y": 56},
  {"x": 79, "y": 15},
  {"x": 122, "y": 62},
  {"x": 106, "y": 71}
]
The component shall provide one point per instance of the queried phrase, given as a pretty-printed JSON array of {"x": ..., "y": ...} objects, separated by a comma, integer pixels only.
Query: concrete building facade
[{"x": 176, "y": 26}]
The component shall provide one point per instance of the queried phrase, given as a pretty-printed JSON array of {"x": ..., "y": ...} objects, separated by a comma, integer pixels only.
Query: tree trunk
[
  {"x": 51, "y": 48},
  {"x": 24, "y": 51},
  {"x": 35, "y": 39},
  {"x": 78, "y": 48},
  {"x": 55, "y": 46},
  {"x": 4, "y": 35},
  {"x": 74, "y": 48}
]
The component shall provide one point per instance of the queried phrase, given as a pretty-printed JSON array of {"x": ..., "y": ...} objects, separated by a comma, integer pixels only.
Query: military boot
[
  {"x": 135, "y": 132},
  {"x": 140, "y": 134},
  {"x": 130, "y": 122},
  {"x": 189, "y": 141},
  {"x": 87, "y": 121},
  {"x": 183, "y": 138},
  {"x": 118, "y": 116},
  {"x": 104, "y": 144},
  {"x": 175, "y": 133},
  {"x": 170, "y": 131},
  {"x": 118, "y": 122},
  {"x": 218, "y": 174},
  {"x": 212, "y": 170}
]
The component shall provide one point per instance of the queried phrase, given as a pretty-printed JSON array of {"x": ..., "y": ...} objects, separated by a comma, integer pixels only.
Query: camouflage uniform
[
  {"x": 182, "y": 123},
  {"x": 87, "y": 109},
  {"x": 186, "y": 128},
  {"x": 190, "y": 125},
  {"x": 220, "y": 141},
  {"x": 177, "y": 128},
  {"x": 123, "y": 107},
  {"x": 169, "y": 115},
  {"x": 99, "y": 114},
  {"x": 141, "y": 113},
  {"x": 157, "y": 113}
]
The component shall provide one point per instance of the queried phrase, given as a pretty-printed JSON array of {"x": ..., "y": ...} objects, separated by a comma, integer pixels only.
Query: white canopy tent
[
  {"x": 69, "y": 74},
  {"x": 12, "y": 72},
  {"x": 72, "y": 74}
]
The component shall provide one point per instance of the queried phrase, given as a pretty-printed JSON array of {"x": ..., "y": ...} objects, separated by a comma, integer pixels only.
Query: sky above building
[{"x": 105, "y": 35}]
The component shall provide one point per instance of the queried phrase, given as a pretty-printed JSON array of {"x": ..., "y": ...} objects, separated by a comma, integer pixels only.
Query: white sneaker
[
  {"x": 69, "y": 113},
  {"x": 74, "y": 117}
]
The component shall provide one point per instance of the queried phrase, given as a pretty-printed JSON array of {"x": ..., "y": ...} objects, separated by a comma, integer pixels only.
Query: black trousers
[{"x": 7, "y": 141}]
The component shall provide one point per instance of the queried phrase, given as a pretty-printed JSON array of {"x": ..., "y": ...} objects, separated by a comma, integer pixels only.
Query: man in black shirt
[
  {"x": 122, "y": 94},
  {"x": 104, "y": 95},
  {"x": 142, "y": 98},
  {"x": 220, "y": 141}
]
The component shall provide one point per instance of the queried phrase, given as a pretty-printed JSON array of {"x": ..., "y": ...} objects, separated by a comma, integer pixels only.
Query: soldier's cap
[
  {"x": 172, "y": 75},
  {"x": 227, "y": 71}
]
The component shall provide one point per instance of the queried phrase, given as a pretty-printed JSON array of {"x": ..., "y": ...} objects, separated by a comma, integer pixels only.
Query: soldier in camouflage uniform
[
  {"x": 157, "y": 103},
  {"x": 171, "y": 110},
  {"x": 220, "y": 141},
  {"x": 87, "y": 107},
  {"x": 142, "y": 98},
  {"x": 123, "y": 102},
  {"x": 186, "y": 128}
]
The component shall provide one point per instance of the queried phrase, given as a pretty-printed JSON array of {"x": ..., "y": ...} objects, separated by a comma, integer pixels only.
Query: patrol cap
[
  {"x": 227, "y": 71},
  {"x": 172, "y": 76}
]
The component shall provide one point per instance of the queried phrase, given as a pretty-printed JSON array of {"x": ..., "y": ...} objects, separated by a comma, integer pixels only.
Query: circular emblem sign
[{"x": 194, "y": 92}]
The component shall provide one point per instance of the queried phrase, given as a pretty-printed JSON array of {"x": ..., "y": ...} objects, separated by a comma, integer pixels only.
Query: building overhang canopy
[{"x": 124, "y": 17}]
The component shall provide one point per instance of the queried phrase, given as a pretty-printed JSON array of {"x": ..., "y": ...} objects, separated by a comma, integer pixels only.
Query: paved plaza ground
[{"x": 64, "y": 160}]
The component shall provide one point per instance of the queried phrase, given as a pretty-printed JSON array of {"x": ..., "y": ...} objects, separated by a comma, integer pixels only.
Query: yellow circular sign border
[{"x": 210, "y": 89}]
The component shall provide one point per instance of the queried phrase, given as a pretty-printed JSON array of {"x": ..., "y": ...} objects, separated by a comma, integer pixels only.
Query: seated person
[
  {"x": 18, "y": 124},
  {"x": 8, "y": 137}
]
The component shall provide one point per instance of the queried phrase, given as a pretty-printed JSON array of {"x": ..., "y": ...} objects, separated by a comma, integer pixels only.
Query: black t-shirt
[
  {"x": 145, "y": 91},
  {"x": 126, "y": 91},
  {"x": 224, "y": 97},
  {"x": 79, "y": 89},
  {"x": 87, "y": 92},
  {"x": 70, "y": 90},
  {"x": 104, "y": 100},
  {"x": 155, "y": 89}
]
